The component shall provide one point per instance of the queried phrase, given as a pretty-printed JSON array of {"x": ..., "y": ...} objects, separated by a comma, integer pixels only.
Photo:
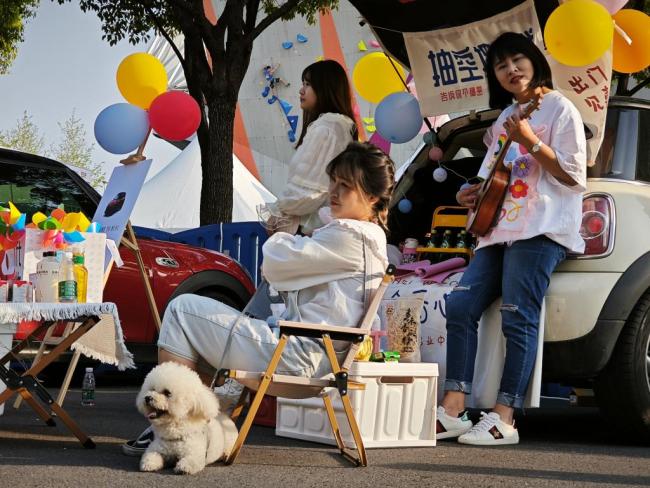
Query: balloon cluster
[
  {"x": 378, "y": 79},
  {"x": 578, "y": 32},
  {"x": 142, "y": 80}
]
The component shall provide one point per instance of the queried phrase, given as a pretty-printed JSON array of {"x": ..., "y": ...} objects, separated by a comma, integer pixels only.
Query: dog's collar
[{"x": 171, "y": 438}]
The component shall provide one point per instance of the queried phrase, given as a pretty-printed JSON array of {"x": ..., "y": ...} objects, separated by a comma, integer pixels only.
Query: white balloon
[{"x": 439, "y": 174}]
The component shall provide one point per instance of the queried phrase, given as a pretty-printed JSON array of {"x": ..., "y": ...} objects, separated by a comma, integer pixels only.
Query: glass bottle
[
  {"x": 80, "y": 274},
  {"x": 446, "y": 244},
  {"x": 461, "y": 243}
]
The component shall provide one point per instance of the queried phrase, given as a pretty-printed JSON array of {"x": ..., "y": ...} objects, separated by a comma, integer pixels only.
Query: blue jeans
[{"x": 520, "y": 273}]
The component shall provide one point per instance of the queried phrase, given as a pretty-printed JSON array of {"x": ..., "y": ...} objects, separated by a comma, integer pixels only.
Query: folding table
[{"x": 26, "y": 384}]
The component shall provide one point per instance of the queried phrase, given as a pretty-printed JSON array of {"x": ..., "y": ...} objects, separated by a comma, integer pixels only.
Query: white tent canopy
[{"x": 171, "y": 199}]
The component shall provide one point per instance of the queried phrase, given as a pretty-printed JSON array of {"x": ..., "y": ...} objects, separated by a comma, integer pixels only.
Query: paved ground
[{"x": 560, "y": 447}]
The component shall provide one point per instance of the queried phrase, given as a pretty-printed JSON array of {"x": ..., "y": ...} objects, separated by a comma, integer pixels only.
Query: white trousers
[{"x": 197, "y": 328}]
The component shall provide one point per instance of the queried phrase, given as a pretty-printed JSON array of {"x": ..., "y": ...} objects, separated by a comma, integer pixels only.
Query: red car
[{"x": 35, "y": 183}]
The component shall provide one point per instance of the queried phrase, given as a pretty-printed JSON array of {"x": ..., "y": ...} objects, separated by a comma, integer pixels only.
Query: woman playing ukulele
[{"x": 538, "y": 224}]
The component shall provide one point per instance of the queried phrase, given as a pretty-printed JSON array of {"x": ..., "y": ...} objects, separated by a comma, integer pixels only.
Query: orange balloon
[{"x": 630, "y": 58}]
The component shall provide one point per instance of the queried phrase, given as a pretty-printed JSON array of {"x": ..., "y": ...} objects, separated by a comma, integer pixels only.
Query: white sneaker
[
  {"x": 448, "y": 426},
  {"x": 490, "y": 431},
  {"x": 228, "y": 395}
]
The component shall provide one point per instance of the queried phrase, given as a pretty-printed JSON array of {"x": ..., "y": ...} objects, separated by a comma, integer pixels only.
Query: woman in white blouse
[
  {"x": 539, "y": 223},
  {"x": 327, "y": 128},
  {"x": 327, "y": 278}
]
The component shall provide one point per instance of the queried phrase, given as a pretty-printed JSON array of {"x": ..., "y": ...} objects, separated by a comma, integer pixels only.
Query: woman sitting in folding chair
[{"x": 324, "y": 277}]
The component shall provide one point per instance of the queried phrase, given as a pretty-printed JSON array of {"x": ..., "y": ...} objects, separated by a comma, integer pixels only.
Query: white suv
[{"x": 597, "y": 329}]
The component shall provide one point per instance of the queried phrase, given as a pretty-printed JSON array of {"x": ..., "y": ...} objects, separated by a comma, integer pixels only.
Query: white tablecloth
[
  {"x": 492, "y": 344},
  {"x": 104, "y": 342}
]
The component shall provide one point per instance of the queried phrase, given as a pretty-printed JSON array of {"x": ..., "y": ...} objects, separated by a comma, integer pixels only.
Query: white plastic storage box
[{"x": 397, "y": 408}]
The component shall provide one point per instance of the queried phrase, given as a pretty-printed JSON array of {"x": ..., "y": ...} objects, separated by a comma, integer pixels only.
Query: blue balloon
[
  {"x": 121, "y": 128},
  {"x": 398, "y": 118},
  {"x": 405, "y": 205}
]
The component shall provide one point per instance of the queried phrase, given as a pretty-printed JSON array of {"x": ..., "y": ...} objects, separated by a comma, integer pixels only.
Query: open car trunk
[{"x": 461, "y": 140}]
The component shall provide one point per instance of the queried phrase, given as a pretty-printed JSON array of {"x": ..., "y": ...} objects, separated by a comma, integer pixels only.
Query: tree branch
[
  {"x": 639, "y": 86},
  {"x": 252, "y": 6},
  {"x": 164, "y": 33},
  {"x": 272, "y": 17}
]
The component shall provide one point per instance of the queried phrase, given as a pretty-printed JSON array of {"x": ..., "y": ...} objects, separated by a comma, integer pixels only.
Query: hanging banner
[
  {"x": 448, "y": 64},
  {"x": 448, "y": 67},
  {"x": 588, "y": 88}
]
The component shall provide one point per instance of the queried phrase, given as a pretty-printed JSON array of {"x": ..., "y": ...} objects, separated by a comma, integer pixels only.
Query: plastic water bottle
[{"x": 88, "y": 389}]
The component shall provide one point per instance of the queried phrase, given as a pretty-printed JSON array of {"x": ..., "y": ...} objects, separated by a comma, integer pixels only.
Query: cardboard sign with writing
[
  {"x": 448, "y": 64},
  {"x": 116, "y": 205}
]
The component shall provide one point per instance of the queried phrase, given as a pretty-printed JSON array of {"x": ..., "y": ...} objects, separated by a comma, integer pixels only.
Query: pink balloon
[
  {"x": 174, "y": 115},
  {"x": 612, "y": 6},
  {"x": 380, "y": 142},
  {"x": 435, "y": 153}
]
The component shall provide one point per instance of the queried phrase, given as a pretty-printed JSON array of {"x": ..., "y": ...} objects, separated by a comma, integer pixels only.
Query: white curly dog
[{"x": 189, "y": 429}]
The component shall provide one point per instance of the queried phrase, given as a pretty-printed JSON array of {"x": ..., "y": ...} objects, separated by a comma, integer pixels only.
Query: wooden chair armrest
[{"x": 352, "y": 334}]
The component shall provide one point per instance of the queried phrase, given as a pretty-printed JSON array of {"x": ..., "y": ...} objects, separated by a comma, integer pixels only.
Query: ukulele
[{"x": 493, "y": 190}]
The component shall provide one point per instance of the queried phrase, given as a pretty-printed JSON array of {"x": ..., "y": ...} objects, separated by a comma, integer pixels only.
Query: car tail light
[{"x": 597, "y": 228}]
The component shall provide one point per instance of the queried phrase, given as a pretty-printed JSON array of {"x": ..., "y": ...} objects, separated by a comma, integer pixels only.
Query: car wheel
[
  {"x": 623, "y": 388},
  {"x": 219, "y": 296}
]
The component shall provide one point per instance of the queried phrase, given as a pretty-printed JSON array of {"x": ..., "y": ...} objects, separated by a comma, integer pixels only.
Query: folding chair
[{"x": 273, "y": 384}]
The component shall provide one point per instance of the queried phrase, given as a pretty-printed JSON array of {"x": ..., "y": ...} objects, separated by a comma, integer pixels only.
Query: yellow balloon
[
  {"x": 630, "y": 58},
  {"x": 578, "y": 32},
  {"x": 141, "y": 78},
  {"x": 374, "y": 77}
]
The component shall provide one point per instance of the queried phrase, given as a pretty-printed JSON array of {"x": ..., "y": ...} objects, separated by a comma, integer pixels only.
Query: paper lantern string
[{"x": 446, "y": 168}]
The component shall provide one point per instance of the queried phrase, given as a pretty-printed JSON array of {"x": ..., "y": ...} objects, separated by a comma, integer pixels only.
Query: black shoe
[{"x": 136, "y": 447}]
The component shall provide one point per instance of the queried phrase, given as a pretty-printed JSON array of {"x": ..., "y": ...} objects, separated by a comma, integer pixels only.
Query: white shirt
[
  {"x": 306, "y": 190},
  {"x": 536, "y": 203},
  {"x": 327, "y": 270}
]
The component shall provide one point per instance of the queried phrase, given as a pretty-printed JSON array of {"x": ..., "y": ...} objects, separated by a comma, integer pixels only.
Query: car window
[
  {"x": 618, "y": 153},
  {"x": 643, "y": 153},
  {"x": 37, "y": 189}
]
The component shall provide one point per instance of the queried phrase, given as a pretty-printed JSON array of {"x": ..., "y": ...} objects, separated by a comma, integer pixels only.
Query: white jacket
[
  {"x": 306, "y": 190},
  {"x": 327, "y": 270}
]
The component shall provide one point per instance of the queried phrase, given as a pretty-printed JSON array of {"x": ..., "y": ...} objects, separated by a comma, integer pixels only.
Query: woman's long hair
[
  {"x": 367, "y": 168},
  {"x": 332, "y": 88},
  {"x": 510, "y": 44}
]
